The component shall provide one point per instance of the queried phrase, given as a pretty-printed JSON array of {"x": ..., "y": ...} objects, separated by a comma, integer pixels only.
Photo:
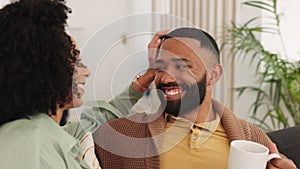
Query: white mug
[{"x": 245, "y": 154}]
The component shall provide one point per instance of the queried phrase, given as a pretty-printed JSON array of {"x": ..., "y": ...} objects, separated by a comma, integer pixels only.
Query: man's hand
[
  {"x": 282, "y": 163},
  {"x": 142, "y": 83},
  {"x": 153, "y": 47}
]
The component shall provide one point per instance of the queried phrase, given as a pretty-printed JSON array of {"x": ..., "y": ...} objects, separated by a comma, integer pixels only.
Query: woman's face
[{"x": 81, "y": 72}]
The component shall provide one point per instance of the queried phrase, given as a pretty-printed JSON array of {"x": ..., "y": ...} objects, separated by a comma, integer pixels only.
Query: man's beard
[{"x": 194, "y": 97}]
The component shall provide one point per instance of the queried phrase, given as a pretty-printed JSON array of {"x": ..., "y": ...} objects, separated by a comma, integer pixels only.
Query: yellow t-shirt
[{"x": 188, "y": 145}]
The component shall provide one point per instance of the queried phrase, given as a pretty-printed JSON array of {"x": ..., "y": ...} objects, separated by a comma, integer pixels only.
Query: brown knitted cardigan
[{"x": 135, "y": 152}]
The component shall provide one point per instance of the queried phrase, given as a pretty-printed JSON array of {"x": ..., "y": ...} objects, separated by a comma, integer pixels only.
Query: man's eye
[
  {"x": 181, "y": 66},
  {"x": 158, "y": 69}
]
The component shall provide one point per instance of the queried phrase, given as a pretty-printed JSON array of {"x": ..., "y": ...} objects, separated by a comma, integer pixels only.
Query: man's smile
[{"x": 173, "y": 93}]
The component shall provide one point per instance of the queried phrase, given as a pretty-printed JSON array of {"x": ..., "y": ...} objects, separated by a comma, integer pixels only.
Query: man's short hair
[{"x": 207, "y": 41}]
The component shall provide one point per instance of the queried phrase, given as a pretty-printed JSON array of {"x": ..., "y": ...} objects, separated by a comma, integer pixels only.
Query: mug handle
[{"x": 273, "y": 155}]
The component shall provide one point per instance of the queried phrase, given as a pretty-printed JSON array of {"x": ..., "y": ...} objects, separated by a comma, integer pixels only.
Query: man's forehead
[
  {"x": 184, "y": 46},
  {"x": 174, "y": 59},
  {"x": 181, "y": 42}
]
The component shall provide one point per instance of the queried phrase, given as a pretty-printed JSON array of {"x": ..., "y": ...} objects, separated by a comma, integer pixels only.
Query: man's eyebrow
[
  {"x": 180, "y": 60},
  {"x": 161, "y": 61}
]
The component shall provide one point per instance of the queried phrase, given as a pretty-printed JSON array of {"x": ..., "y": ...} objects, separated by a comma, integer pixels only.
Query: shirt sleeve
[
  {"x": 101, "y": 111},
  {"x": 126, "y": 100}
]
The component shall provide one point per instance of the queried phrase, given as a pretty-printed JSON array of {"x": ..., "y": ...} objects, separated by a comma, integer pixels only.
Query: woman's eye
[{"x": 80, "y": 64}]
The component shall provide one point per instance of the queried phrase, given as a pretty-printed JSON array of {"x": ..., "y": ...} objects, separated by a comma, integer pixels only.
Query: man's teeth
[{"x": 173, "y": 92}]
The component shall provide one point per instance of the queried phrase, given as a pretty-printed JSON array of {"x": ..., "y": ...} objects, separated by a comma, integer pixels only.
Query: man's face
[{"x": 181, "y": 74}]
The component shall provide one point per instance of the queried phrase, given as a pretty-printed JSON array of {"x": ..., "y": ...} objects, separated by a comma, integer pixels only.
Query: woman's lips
[{"x": 81, "y": 87}]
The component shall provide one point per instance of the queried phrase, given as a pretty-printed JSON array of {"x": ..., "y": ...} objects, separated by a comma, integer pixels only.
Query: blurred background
[{"x": 113, "y": 37}]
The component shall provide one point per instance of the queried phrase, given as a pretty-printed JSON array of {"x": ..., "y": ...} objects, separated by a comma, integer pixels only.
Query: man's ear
[{"x": 214, "y": 74}]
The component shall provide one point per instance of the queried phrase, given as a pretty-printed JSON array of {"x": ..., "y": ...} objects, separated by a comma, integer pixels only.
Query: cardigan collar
[{"x": 231, "y": 124}]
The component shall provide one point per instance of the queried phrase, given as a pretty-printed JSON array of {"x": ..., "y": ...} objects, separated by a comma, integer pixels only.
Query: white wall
[
  {"x": 290, "y": 27},
  {"x": 3, "y": 3},
  {"x": 89, "y": 16},
  {"x": 244, "y": 74},
  {"x": 113, "y": 37}
]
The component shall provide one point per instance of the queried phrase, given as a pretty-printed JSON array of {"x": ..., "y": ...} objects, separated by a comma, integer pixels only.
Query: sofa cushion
[{"x": 288, "y": 142}]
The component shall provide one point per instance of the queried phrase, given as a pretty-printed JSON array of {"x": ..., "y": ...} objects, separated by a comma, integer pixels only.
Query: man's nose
[{"x": 168, "y": 78}]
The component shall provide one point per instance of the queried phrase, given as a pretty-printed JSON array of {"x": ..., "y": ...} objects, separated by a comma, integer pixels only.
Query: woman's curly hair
[{"x": 37, "y": 58}]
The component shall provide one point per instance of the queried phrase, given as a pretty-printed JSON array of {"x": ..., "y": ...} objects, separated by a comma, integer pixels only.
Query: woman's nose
[{"x": 87, "y": 72}]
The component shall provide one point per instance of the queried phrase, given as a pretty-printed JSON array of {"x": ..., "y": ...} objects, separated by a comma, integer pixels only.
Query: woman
[
  {"x": 42, "y": 75},
  {"x": 38, "y": 59}
]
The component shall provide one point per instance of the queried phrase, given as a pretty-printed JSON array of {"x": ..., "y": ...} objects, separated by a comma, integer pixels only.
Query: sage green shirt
[{"x": 39, "y": 143}]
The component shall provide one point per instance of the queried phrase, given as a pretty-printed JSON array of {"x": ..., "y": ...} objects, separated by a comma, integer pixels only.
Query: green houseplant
[{"x": 278, "y": 90}]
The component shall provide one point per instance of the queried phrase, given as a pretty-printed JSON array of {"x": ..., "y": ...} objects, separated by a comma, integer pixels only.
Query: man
[
  {"x": 192, "y": 130},
  {"x": 41, "y": 76}
]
